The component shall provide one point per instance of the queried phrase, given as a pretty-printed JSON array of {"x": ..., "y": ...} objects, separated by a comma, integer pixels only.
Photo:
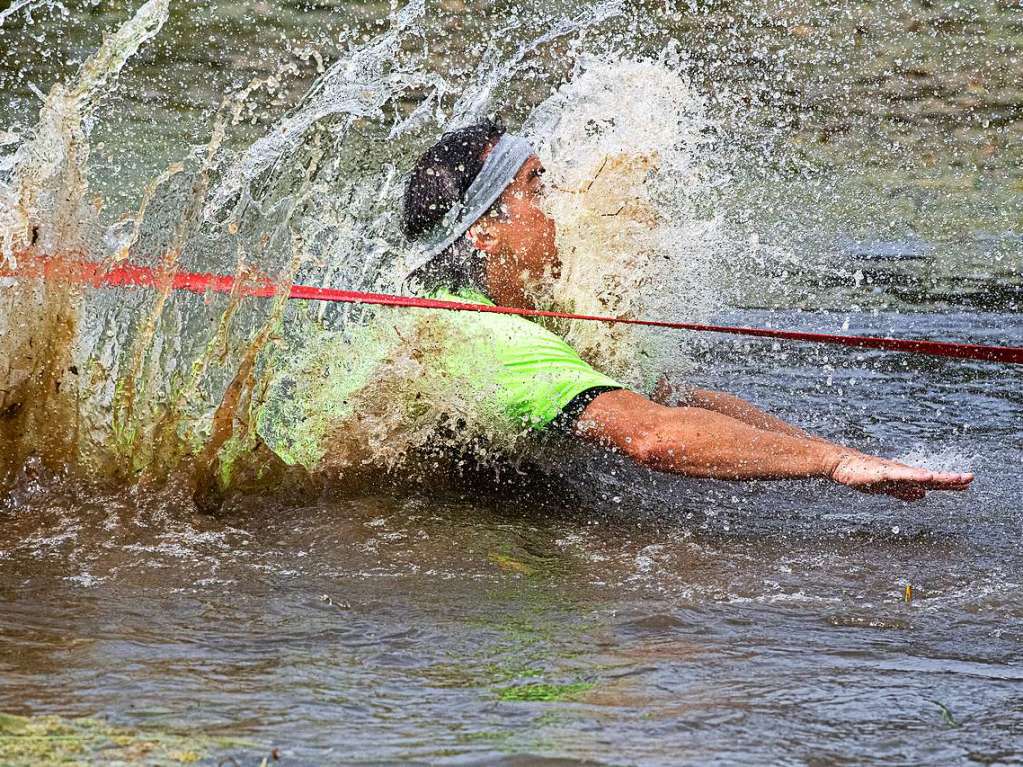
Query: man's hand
[
  {"x": 704, "y": 442},
  {"x": 870, "y": 474}
]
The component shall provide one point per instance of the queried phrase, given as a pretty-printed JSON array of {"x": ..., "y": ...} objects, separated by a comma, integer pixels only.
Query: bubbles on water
[{"x": 84, "y": 579}]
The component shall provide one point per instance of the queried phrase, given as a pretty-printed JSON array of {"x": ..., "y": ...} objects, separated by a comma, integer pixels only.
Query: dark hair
[{"x": 443, "y": 174}]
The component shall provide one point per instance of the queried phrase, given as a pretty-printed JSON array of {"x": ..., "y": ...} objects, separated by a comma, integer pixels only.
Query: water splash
[
  {"x": 352, "y": 88},
  {"x": 632, "y": 192},
  {"x": 42, "y": 206},
  {"x": 627, "y": 200},
  {"x": 19, "y": 5},
  {"x": 42, "y": 201},
  {"x": 155, "y": 386}
]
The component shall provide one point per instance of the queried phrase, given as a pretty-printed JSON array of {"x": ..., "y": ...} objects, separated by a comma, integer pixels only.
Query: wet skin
[
  {"x": 518, "y": 238},
  {"x": 712, "y": 434}
]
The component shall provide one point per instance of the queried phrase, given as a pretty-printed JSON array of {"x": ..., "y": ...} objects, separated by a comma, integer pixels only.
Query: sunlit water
[{"x": 580, "y": 610}]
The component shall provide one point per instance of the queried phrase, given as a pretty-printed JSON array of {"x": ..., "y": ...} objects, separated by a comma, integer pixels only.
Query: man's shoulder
[
  {"x": 461, "y": 295},
  {"x": 509, "y": 328}
]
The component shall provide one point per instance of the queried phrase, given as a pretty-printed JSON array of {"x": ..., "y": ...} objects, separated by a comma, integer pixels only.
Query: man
[{"x": 473, "y": 204}]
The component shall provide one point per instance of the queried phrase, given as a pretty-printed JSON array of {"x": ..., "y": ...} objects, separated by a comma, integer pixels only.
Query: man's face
[{"x": 518, "y": 236}]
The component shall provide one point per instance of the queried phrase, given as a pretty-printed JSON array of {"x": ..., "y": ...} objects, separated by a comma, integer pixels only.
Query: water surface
[{"x": 669, "y": 622}]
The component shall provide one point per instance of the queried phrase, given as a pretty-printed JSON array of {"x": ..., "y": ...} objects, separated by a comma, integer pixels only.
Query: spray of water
[
  {"x": 153, "y": 386},
  {"x": 628, "y": 149},
  {"x": 42, "y": 205}
]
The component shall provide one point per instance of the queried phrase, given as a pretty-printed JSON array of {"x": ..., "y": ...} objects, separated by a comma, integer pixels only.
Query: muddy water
[
  {"x": 671, "y": 622},
  {"x": 591, "y": 612}
]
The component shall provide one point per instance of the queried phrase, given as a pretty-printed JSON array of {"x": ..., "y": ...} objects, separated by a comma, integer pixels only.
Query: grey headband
[{"x": 499, "y": 168}]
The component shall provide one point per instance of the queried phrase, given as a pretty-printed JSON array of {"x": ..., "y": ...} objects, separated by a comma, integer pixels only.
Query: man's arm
[
  {"x": 699, "y": 442},
  {"x": 741, "y": 410},
  {"x": 726, "y": 404}
]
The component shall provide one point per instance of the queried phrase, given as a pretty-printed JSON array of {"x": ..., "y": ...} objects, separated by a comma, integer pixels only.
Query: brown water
[
  {"x": 691, "y": 622},
  {"x": 583, "y": 611}
]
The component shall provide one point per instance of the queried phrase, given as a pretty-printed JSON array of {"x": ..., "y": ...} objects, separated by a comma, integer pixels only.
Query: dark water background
[{"x": 674, "y": 621}]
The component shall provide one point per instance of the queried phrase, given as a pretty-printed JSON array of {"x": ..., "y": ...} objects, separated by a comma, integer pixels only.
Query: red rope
[{"x": 130, "y": 275}]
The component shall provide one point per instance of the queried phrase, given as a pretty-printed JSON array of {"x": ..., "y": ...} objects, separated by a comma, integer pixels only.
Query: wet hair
[
  {"x": 438, "y": 182},
  {"x": 443, "y": 174}
]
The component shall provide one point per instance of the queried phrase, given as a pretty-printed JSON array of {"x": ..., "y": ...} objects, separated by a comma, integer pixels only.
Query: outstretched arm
[
  {"x": 699, "y": 442},
  {"x": 741, "y": 410},
  {"x": 726, "y": 404}
]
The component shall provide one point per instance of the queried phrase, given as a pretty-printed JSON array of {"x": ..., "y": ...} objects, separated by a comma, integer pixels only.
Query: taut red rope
[{"x": 130, "y": 275}]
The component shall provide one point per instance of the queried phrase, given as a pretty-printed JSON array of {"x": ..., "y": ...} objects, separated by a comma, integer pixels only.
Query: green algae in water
[
  {"x": 545, "y": 692},
  {"x": 510, "y": 564},
  {"x": 45, "y": 741}
]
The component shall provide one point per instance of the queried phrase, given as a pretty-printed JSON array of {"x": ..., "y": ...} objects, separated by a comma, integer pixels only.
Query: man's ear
[{"x": 483, "y": 237}]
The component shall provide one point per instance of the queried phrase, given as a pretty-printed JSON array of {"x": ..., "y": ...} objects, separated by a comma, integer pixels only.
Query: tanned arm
[
  {"x": 727, "y": 404},
  {"x": 701, "y": 442},
  {"x": 741, "y": 410}
]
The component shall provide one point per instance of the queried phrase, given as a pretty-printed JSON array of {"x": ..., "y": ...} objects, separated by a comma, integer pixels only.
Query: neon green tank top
[
  {"x": 502, "y": 372},
  {"x": 536, "y": 374}
]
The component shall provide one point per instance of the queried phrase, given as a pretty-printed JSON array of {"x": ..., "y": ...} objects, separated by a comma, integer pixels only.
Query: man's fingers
[
  {"x": 910, "y": 483},
  {"x": 949, "y": 480},
  {"x": 933, "y": 480},
  {"x": 901, "y": 473},
  {"x": 894, "y": 485}
]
